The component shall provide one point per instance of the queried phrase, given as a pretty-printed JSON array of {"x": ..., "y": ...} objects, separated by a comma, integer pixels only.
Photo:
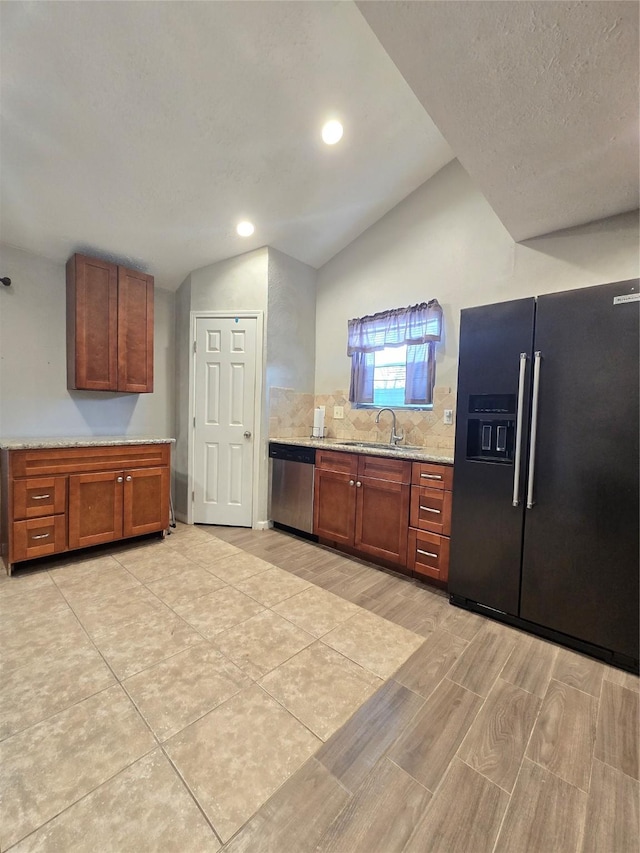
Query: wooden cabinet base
[{"x": 60, "y": 499}]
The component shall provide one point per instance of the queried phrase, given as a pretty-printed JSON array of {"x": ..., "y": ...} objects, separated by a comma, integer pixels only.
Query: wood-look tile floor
[{"x": 236, "y": 690}]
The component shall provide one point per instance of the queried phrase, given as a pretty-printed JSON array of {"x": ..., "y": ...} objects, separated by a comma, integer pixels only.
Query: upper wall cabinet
[{"x": 109, "y": 327}]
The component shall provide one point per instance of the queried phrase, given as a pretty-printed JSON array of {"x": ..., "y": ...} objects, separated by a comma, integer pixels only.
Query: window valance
[{"x": 417, "y": 324}]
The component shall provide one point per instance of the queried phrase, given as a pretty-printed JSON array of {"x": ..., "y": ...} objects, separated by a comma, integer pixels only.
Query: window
[{"x": 393, "y": 356}]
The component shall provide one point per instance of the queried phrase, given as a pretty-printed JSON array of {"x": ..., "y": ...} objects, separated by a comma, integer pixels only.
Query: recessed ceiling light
[
  {"x": 245, "y": 229},
  {"x": 332, "y": 132}
]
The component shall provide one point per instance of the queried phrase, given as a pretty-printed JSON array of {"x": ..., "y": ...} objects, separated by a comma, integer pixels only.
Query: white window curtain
[{"x": 419, "y": 327}]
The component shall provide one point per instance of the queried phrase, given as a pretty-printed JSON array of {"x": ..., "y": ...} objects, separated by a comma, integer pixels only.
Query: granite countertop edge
[
  {"x": 417, "y": 454},
  {"x": 79, "y": 441}
]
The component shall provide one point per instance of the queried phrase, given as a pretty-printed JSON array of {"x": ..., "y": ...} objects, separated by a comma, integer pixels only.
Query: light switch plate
[
  {"x": 338, "y": 413},
  {"x": 448, "y": 416}
]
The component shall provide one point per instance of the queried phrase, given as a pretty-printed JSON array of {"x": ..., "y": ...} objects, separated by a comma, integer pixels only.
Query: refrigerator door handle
[
  {"x": 518, "y": 448},
  {"x": 534, "y": 427}
]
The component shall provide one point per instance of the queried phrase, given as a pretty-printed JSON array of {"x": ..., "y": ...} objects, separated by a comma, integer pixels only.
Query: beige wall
[
  {"x": 444, "y": 241},
  {"x": 34, "y": 400}
]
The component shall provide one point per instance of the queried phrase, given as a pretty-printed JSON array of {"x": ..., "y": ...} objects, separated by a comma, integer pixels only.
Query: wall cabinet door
[
  {"x": 146, "y": 501},
  {"x": 109, "y": 327},
  {"x": 95, "y": 508},
  {"x": 334, "y": 509},
  {"x": 382, "y": 519}
]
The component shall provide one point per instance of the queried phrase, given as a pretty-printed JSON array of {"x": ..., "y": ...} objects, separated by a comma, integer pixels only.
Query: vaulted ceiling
[{"x": 144, "y": 131}]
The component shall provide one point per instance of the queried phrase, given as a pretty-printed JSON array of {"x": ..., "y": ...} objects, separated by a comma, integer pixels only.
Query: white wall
[
  {"x": 445, "y": 241},
  {"x": 34, "y": 400},
  {"x": 291, "y": 324}
]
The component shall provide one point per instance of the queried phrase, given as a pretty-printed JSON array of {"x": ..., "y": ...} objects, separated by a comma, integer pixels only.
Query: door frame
[{"x": 258, "y": 316}]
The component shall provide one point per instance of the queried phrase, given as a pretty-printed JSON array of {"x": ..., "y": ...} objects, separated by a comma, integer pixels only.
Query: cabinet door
[
  {"x": 92, "y": 324},
  {"x": 95, "y": 508},
  {"x": 135, "y": 331},
  {"x": 334, "y": 506},
  {"x": 382, "y": 519},
  {"x": 146, "y": 501}
]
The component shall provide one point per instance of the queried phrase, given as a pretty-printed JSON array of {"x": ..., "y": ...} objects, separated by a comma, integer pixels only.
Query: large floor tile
[
  {"x": 564, "y": 734},
  {"x": 373, "y": 642},
  {"x": 103, "y": 612},
  {"x": 430, "y": 742},
  {"x": 464, "y": 816},
  {"x": 321, "y": 688},
  {"x": 180, "y": 588},
  {"x": 297, "y": 815},
  {"x": 47, "y": 684},
  {"x": 353, "y": 750},
  {"x": 152, "y": 564},
  {"x": 22, "y": 581},
  {"x": 617, "y": 742},
  {"x": 613, "y": 812},
  {"x": 530, "y": 664},
  {"x": 545, "y": 814},
  {"x": 622, "y": 678},
  {"x": 51, "y": 765},
  {"x": 316, "y": 610},
  {"x": 239, "y": 754},
  {"x": 218, "y": 611},
  {"x": 176, "y": 692},
  {"x": 19, "y": 611},
  {"x": 262, "y": 643},
  {"x": 145, "y": 809},
  {"x": 237, "y": 567},
  {"x": 209, "y": 551},
  {"x": 81, "y": 567},
  {"x": 461, "y": 622},
  {"x": 101, "y": 578},
  {"x": 579, "y": 671},
  {"x": 272, "y": 586},
  {"x": 380, "y": 817},
  {"x": 39, "y": 638},
  {"x": 499, "y": 734},
  {"x": 135, "y": 646}
]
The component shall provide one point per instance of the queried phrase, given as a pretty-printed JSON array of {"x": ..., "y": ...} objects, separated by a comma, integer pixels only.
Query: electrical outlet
[
  {"x": 448, "y": 416},
  {"x": 338, "y": 413}
]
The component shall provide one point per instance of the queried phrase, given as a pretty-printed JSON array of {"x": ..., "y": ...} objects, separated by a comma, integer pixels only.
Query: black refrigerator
[{"x": 545, "y": 517}]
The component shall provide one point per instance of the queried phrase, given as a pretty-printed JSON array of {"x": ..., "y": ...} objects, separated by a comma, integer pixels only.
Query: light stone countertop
[
  {"x": 400, "y": 451},
  {"x": 79, "y": 441}
]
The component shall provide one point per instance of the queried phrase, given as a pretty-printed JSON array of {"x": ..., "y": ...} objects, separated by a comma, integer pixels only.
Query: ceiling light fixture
[
  {"x": 245, "y": 228},
  {"x": 332, "y": 132}
]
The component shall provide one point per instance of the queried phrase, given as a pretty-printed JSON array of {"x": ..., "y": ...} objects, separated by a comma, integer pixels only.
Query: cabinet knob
[
  {"x": 129, "y": 478},
  {"x": 119, "y": 479},
  {"x": 352, "y": 482},
  {"x": 358, "y": 484}
]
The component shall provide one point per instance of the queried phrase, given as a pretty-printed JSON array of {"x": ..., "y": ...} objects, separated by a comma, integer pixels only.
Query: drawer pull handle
[
  {"x": 430, "y": 509},
  {"x": 42, "y": 536},
  {"x": 39, "y": 497},
  {"x": 431, "y": 476},
  {"x": 427, "y": 553}
]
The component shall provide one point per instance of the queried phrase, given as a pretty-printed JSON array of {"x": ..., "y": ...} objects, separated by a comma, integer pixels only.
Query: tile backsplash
[{"x": 291, "y": 416}]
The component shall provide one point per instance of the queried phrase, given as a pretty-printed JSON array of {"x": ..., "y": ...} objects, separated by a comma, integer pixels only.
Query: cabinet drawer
[
  {"x": 431, "y": 510},
  {"x": 39, "y": 496},
  {"x": 428, "y": 554},
  {"x": 37, "y": 537},
  {"x": 334, "y": 460},
  {"x": 382, "y": 468},
  {"x": 432, "y": 475}
]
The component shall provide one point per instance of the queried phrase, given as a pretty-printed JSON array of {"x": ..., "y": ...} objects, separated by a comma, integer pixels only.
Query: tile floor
[{"x": 250, "y": 691}]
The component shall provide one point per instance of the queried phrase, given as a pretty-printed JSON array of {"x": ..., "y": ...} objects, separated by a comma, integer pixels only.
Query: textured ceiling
[
  {"x": 539, "y": 100},
  {"x": 143, "y": 131}
]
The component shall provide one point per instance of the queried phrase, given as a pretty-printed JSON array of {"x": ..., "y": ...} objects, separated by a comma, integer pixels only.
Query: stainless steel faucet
[{"x": 395, "y": 437}]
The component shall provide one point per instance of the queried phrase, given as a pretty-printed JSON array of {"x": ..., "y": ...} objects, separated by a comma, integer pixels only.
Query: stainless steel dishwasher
[{"x": 292, "y": 470}]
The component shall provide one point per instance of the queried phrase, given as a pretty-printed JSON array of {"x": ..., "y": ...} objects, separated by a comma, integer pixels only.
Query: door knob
[{"x": 247, "y": 434}]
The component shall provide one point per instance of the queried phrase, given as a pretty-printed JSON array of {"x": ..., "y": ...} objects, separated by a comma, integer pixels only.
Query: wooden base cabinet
[
  {"x": 430, "y": 519},
  {"x": 362, "y": 503},
  {"x": 54, "y": 500}
]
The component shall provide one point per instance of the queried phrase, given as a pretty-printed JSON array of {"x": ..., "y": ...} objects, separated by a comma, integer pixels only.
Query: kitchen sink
[{"x": 381, "y": 445}]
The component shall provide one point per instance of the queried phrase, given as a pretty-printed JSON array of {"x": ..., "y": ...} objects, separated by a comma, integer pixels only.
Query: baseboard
[
  {"x": 181, "y": 516},
  {"x": 263, "y": 525}
]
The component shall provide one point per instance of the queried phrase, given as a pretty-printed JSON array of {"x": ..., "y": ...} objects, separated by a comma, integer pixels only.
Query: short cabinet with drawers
[
  {"x": 430, "y": 520},
  {"x": 59, "y": 499}
]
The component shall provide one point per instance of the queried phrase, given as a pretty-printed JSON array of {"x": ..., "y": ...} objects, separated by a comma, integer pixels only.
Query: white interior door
[{"x": 224, "y": 395}]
